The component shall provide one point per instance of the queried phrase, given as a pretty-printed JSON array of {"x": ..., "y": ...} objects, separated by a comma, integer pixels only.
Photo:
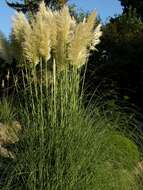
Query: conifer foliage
[
  {"x": 138, "y": 5},
  {"x": 33, "y": 5}
]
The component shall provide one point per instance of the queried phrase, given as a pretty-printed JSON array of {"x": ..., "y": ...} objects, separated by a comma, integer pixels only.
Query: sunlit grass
[{"x": 64, "y": 145}]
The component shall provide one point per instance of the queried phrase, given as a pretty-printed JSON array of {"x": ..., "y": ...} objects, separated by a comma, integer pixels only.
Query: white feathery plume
[
  {"x": 41, "y": 33},
  {"x": 78, "y": 47},
  {"x": 84, "y": 38},
  {"x": 30, "y": 52},
  {"x": 52, "y": 34},
  {"x": 19, "y": 29},
  {"x": 51, "y": 21},
  {"x": 96, "y": 37},
  {"x": 63, "y": 22}
]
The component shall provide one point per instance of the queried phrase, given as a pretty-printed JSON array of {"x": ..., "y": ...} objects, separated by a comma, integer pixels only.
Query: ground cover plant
[{"x": 62, "y": 145}]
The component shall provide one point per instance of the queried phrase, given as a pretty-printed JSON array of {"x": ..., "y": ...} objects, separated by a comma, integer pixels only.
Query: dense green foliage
[
  {"x": 117, "y": 72},
  {"x": 138, "y": 5}
]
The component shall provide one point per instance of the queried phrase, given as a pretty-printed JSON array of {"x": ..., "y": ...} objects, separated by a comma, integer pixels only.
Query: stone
[{"x": 8, "y": 135}]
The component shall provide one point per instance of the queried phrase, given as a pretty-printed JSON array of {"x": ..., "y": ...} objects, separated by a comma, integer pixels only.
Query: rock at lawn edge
[{"x": 8, "y": 135}]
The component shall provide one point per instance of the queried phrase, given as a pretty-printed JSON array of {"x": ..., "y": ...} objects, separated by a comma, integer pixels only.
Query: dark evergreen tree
[
  {"x": 116, "y": 69},
  {"x": 135, "y": 4},
  {"x": 32, "y": 5}
]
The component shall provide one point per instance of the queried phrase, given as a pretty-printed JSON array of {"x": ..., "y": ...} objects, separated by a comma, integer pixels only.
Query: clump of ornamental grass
[
  {"x": 7, "y": 112},
  {"x": 51, "y": 35},
  {"x": 63, "y": 146},
  {"x": 76, "y": 152}
]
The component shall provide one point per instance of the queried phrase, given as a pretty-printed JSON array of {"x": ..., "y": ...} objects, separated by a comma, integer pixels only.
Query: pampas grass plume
[
  {"x": 41, "y": 32},
  {"x": 53, "y": 35},
  {"x": 84, "y": 39},
  {"x": 19, "y": 30}
]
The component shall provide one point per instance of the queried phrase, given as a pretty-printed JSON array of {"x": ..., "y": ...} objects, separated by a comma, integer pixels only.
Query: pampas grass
[
  {"x": 64, "y": 146},
  {"x": 7, "y": 113},
  {"x": 19, "y": 29},
  {"x": 41, "y": 33},
  {"x": 70, "y": 148},
  {"x": 53, "y": 35}
]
